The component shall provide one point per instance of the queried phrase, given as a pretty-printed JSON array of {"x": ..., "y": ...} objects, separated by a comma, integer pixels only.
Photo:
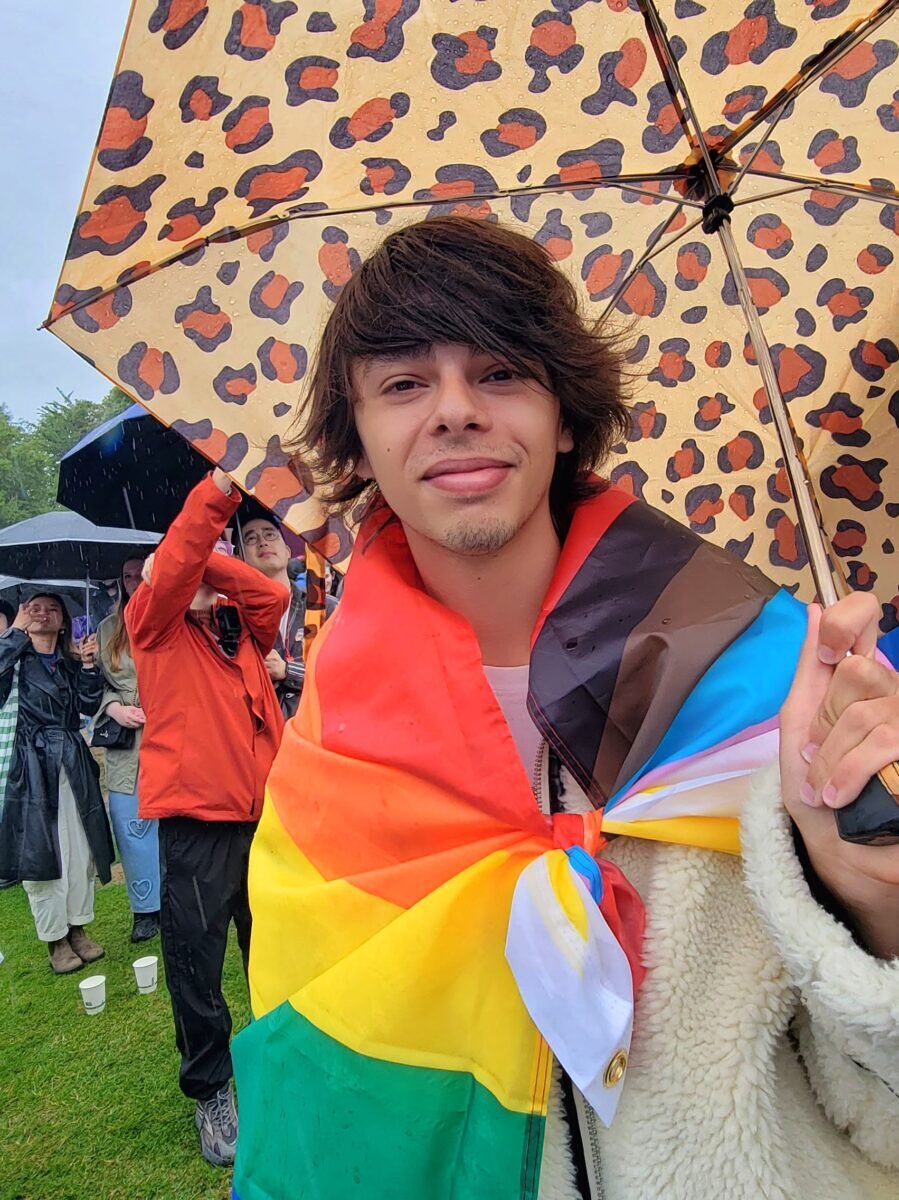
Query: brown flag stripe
[{"x": 650, "y": 609}]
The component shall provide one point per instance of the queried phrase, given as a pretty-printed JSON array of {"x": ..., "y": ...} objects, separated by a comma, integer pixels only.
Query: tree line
[{"x": 30, "y": 450}]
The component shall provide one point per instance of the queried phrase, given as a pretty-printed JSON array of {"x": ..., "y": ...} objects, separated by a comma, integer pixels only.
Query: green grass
[{"x": 90, "y": 1107}]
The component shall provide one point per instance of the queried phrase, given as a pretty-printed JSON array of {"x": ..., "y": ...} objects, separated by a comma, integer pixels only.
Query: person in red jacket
[{"x": 201, "y": 624}]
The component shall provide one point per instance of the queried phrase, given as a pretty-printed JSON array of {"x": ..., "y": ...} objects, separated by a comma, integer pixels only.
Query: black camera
[{"x": 228, "y": 621}]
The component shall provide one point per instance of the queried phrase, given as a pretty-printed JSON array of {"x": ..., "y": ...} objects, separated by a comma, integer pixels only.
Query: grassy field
[{"x": 89, "y": 1106}]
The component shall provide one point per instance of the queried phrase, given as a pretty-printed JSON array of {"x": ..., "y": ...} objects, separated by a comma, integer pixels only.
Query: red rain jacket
[{"x": 213, "y": 723}]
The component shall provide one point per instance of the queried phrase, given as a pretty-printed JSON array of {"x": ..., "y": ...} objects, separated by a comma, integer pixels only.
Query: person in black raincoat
[{"x": 54, "y": 832}]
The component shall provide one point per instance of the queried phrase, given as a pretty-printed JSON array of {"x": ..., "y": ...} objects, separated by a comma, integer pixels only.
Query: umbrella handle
[{"x": 873, "y": 818}]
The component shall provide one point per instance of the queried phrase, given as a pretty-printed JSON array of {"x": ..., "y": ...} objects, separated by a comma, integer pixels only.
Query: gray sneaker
[{"x": 216, "y": 1121}]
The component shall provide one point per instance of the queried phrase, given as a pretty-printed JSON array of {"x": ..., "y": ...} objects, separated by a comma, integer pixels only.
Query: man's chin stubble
[{"x": 477, "y": 538}]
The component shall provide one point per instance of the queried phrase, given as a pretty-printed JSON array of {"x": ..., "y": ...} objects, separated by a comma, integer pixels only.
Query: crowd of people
[
  {"x": 515, "y": 637},
  {"x": 188, "y": 681}
]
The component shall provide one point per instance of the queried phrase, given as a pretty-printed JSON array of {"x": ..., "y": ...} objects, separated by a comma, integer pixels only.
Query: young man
[
  {"x": 518, "y": 643},
  {"x": 265, "y": 549},
  {"x": 200, "y": 626}
]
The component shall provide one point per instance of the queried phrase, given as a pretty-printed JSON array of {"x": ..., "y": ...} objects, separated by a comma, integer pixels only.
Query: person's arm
[
  {"x": 261, "y": 601},
  {"x": 113, "y": 702},
  {"x": 294, "y": 676},
  {"x": 89, "y": 681},
  {"x": 90, "y": 689},
  {"x": 13, "y": 644},
  {"x": 179, "y": 562}
]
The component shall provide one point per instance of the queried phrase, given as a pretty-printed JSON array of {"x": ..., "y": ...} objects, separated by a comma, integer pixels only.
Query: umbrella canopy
[
  {"x": 15, "y": 591},
  {"x": 66, "y": 545},
  {"x": 252, "y": 153},
  {"x": 133, "y": 471}
]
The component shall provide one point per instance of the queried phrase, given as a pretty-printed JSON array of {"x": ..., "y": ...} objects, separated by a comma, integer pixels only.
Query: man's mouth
[{"x": 467, "y": 474}]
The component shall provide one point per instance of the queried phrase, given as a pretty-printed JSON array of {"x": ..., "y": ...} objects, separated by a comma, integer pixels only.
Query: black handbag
[{"x": 110, "y": 735}]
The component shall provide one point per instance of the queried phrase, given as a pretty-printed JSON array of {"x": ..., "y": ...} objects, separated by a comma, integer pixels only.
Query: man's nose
[{"x": 457, "y": 405}]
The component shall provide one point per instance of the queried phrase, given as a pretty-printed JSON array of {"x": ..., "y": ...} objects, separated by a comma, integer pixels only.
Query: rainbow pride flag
[{"x": 425, "y": 941}]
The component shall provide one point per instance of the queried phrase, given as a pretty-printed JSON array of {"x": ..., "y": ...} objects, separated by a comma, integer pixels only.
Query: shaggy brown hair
[
  {"x": 460, "y": 280},
  {"x": 119, "y": 643}
]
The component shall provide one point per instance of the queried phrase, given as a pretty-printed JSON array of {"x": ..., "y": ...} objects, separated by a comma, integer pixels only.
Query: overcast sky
[{"x": 56, "y": 64}]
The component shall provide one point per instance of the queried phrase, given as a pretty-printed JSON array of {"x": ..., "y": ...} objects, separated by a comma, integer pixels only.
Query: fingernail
[
  {"x": 808, "y": 752},
  {"x": 807, "y": 796},
  {"x": 829, "y": 656},
  {"x": 829, "y": 795}
]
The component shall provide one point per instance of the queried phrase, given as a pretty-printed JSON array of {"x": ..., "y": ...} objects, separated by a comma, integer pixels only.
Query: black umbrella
[
  {"x": 65, "y": 545},
  {"x": 133, "y": 471},
  {"x": 15, "y": 591}
]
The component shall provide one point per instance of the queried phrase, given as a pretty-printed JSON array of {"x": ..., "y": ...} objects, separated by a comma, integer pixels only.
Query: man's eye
[
  {"x": 402, "y": 385},
  {"x": 501, "y": 374}
]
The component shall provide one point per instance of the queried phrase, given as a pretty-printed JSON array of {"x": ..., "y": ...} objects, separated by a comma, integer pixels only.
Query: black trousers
[{"x": 203, "y": 887}]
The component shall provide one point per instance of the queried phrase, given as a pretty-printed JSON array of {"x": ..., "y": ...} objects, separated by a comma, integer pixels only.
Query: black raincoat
[{"x": 48, "y": 739}]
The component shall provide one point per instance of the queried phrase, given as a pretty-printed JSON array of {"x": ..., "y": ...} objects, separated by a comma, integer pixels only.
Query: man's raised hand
[{"x": 839, "y": 726}]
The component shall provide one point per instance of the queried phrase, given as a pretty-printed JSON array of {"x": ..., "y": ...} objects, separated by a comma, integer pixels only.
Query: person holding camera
[
  {"x": 118, "y": 730},
  {"x": 54, "y": 832},
  {"x": 200, "y": 626}
]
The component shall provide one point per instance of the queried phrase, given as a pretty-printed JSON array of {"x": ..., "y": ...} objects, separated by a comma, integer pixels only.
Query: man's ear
[{"x": 566, "y": 440}]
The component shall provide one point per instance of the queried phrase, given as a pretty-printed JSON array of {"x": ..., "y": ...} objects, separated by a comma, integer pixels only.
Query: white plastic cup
[
  {"x": 93, "y": 994},
  {"x": 146, "y": 973}
]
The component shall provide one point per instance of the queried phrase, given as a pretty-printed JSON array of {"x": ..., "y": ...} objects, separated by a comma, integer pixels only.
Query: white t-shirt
[{"x": 510, "y": 686}]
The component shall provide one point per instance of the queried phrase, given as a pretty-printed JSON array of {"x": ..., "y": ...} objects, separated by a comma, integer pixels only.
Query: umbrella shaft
[{"x": 800, "y": 483}]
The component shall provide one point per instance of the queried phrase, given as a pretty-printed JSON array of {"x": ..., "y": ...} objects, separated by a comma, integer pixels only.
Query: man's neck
[
  {"x": 204, "y": 600},
  {"x": 499, "y": 594},
  {"x": 283, "y": 578},
  {"x": 44, "y": 643}
]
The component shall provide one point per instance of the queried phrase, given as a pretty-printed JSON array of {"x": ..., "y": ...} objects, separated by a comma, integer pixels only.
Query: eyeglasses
[{"x": 264, "y": 535}]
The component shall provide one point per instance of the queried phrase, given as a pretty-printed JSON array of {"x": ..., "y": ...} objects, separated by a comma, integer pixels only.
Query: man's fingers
[
  {"x": 809, "y": 686},
  {"x": 849, "y": 626},
  {"x": 855, "y": 768},
  {"x": 856, "y": 680},
  {"x": 857, "y": 723}
]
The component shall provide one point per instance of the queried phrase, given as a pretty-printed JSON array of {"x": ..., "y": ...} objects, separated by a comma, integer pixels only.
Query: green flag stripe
[{"x": 320, "y": 1122}]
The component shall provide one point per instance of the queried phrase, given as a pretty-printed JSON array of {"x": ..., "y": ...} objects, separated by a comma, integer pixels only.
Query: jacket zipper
[{"x": 537, "y": 777}]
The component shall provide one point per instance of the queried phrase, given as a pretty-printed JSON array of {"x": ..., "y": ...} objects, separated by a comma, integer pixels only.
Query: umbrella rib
[
  {"x": 653, "y": 250},
  {"x": 810, "y": 521},
  {"x": 668, "y": 63},
  {"x": 854, "y": 190},
  {"x": 680, "y": 201},
  {"x": 757, "y": 149},
  {"x": 814, "y": 69},
  {"x": 771, "y": 195},
  {"x": 623, "y": 182}
]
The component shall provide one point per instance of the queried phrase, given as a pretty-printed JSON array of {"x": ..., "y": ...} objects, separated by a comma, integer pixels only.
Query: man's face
[
  {"x": 264, "y": 548},
  {"x": 45, "y": 614},
  {"x": 131, "y": 575},
  {"x": 462, "y": 448}
]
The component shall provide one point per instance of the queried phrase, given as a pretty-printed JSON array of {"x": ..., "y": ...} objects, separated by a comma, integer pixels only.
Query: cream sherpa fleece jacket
[{"x": 765, "y": 1057}]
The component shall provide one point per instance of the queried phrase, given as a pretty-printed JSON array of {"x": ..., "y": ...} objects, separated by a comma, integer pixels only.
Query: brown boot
[
  {"x": 86, "y": 950},
  {"x": 63, "y": 958}
]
